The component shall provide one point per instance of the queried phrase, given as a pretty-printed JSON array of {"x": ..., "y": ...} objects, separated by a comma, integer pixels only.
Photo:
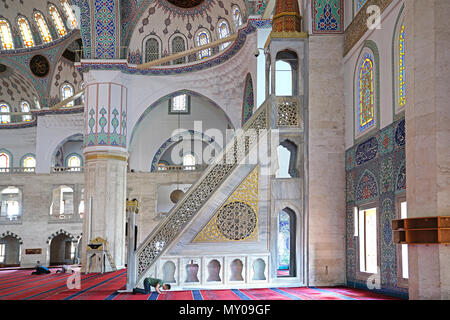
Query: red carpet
[{"x": 21, "y": 285}]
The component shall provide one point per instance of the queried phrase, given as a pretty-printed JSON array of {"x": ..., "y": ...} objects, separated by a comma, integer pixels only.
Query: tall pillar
[
  {"x": 428, "y": 139},
  {"x": 106, "y": 158}
]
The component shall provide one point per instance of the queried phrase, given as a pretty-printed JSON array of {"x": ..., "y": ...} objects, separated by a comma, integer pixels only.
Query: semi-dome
[{"x": 172, "y": 26}]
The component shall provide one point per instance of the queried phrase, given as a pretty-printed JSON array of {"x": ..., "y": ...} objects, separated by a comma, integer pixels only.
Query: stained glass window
[
  {"x": 178, "y": 45},
  {"x": 402, "y": 69},
  {"x": 366, "y": 93},
  {"x": 284, "y": 234},
  {"x": 25, "y": 106},
  {"x": 25, "y": 31},
  {"x": 4, "y": 162},
  {"x": 6, "y": 36},
  {"x": 224, "y": 32},
  {"x": 74, "y": 163},
  {"x": 29, "y": 163},
  {"x": 361, "y": 3},
  {"x": 4, "y": 118},
  {"x": 43, "y": 28},
  {"x": 237, "y": 17},
  {"x": 151, "y": 50},
  {"x": 57, "y": 20},
  {"x": 67, "y": 92},
  {"x": 69, "y": 14},
  {"x": 203, "y": 39}
]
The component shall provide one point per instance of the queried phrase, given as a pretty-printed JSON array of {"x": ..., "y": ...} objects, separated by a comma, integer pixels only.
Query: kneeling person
[{"x": 152, "y": 282}]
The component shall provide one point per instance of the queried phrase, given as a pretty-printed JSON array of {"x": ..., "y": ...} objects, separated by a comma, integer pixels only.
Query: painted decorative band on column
[{"x": 102, "y": 156}]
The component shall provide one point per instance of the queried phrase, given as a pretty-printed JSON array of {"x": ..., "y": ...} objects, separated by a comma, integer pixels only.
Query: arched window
[
  {"x": 4, "y": 162},
  {"x": 151, "y": 50},
  {"x": 6, "y": 35},
  {"x": 43, "y": 28},
  {"x": 67, "y": 92},
  {"x": 237, "y": 17},
  {"x": 69, "y": 13},
  {"x": 25, "y": 106},
  {"x": 74, "y": 162},
  {"x": 26, "y": 32},
  {"x": 4, "y": 108},
  {"x": 286, "y": 261},
  {"x": 402, "y": 68},
  {"x": 189, "y": 162},
  {"x": 29, "y": 163},
  {"x": 57, "y": 20},
  {"x": 224, "y": 32},
  {"x": 37, "y": 103},
  {"x": 366, "y": 98},
  {"x": 178, "y": 45},
  {"x": 203, "y": 39}
]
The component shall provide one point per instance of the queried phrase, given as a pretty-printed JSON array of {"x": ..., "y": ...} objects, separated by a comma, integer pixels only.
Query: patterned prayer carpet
[{"x": 19, "y": 284}]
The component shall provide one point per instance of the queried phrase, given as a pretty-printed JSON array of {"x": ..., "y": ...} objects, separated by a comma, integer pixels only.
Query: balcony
[
  {"x": 16, "y": 170},
  {"x": 67, "y": 169}
]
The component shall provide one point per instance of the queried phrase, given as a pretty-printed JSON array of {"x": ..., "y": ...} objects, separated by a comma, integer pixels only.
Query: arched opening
[
  {"x": 62, "y": 206},
  {"x": 11, "y": 204},
  {"x": 10, "y": 248},
  {"x": 287, "y": 158},
  {"x": 286, "y": 71},
  {"x": 71, "y": 146},
  {"x": 62, "y": 250},
  {"x": 286, "y": 258}
]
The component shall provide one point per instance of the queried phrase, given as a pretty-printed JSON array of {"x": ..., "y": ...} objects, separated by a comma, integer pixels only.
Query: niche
[
  {"x": 214, "y": 271},
  {"x": 259, "y": 268},
  {"x": 236, "y": 270},
  {"x": 192, "y": 272},
  {"x": 169, "y": 272}
]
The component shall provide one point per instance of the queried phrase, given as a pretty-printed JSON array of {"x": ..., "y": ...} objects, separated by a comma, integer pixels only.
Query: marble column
[
  {"x": 105, "y": 168},
  {"x": 428, "y": 139}
]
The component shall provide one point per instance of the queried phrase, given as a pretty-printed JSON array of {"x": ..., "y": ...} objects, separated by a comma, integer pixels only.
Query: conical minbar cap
[{"x": 286, "y": 17}]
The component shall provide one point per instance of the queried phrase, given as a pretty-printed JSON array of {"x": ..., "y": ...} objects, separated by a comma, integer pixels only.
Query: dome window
[
  {"x": 43, "y": 28},
  {"x": 6, "y": 36},
  {"x": 25, "y": 31},
  {"x": 57, "y": 20}
]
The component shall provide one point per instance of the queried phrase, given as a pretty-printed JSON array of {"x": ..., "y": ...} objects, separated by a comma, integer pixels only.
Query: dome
[{"x": 186, "y": 3}]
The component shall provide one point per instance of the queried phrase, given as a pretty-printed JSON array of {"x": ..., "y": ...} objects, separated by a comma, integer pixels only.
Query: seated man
[
  {"x": 152, "y": 282},
  {"x": 40, "y": 269}
]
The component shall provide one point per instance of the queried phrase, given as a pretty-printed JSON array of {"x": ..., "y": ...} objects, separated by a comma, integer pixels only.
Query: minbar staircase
[{"x": 276, "y": 112}]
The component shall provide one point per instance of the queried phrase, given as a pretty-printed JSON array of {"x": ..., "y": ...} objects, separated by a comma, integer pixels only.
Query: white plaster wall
[
  {"x": 383, "y": 39},
  {"x": 51, "y": 131},
  {"x": 18, "y": 142}
]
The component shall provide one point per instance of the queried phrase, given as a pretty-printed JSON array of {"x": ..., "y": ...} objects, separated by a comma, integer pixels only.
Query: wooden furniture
[{"x": 426, "y": 230}]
